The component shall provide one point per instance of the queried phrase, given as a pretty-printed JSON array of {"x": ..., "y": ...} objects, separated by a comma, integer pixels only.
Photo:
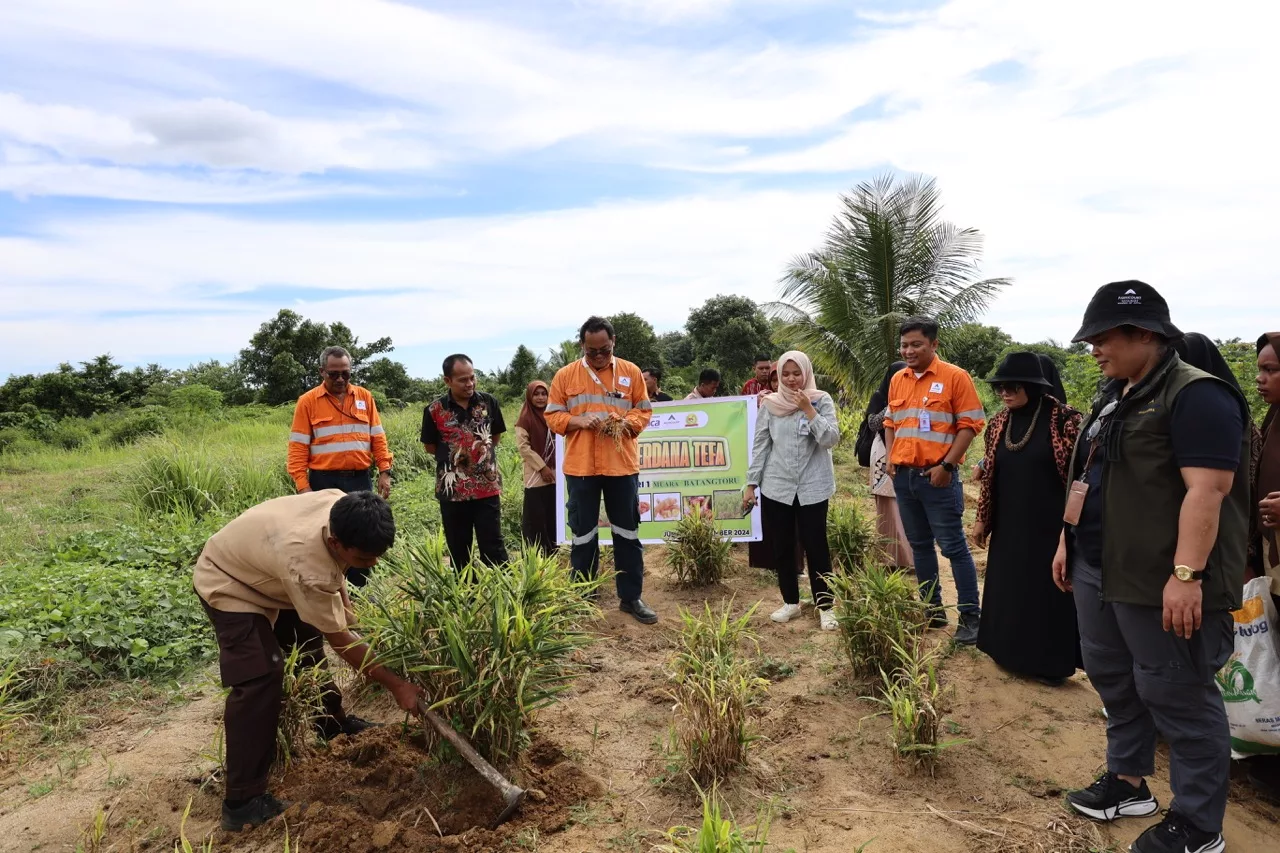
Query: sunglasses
[
  {"x": 338, "y": 374},
  {"x": 593, "y": 353},
  {"x": 1096, "y": 426},
  {"x": 1006, "y": 387}
]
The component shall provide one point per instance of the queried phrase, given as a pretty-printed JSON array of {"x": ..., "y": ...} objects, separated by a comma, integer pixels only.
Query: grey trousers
[{"x": 1150, "y": 679}]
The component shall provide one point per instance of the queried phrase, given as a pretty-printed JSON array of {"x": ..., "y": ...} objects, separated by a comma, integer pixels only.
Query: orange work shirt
[
  {"x": 326, "y": 436},
  {"x": 927, "y": 412},
  {"x": 620, "y": 389}
]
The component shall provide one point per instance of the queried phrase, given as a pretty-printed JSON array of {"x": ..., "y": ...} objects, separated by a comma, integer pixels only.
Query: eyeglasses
[
  {"x": 1094, "y": 428},
  {"x": 338, "y": 374},
  {"x": 595, "y": 353},
  {"x": 1007, "y": 387}
]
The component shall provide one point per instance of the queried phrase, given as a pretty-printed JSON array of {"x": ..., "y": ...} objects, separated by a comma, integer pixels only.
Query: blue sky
[{"x": 473, "y": 175}]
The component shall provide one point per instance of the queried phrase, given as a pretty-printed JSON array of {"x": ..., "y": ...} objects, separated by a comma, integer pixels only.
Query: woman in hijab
[
  {"x": 791, "y": 468},
  {"x": 893, "y": 540},
  {"x": 537, "y": 448},
  {"x": 760, "y": 554},
  {"x": 1028, "y": 625},
  {"x": 1049, "y": 368}
]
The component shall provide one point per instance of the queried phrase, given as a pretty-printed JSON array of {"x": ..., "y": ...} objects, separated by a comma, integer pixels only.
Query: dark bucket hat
[
  {"x": 1020, "y": 367},
  {"x": 1127, "y": 303}
]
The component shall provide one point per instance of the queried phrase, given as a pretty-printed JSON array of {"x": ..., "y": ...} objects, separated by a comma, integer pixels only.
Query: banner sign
[{"x": 693, "y": 458}]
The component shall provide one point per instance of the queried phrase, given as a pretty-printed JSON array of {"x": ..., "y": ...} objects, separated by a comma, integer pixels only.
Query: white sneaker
[
  {"x": 785, "y": 613},
  {"x": 827, "y": 618}
]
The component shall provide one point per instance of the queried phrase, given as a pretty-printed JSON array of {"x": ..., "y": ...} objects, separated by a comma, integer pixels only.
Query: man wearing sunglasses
[
  {"x": 1157, "y": 524},
  {"x": 337, "y": 437}
]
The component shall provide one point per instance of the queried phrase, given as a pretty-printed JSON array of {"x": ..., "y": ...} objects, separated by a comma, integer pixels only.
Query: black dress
[{"x": 1028, "y": 625}]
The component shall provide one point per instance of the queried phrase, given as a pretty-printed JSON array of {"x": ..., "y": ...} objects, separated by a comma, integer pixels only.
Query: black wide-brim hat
[
  {"x": 1021, "y": 367},
  {"x": 1127, "y": 303}
]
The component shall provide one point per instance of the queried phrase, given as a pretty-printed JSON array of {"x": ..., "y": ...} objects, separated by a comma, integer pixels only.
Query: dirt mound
[{"x": 383, "y": 792}]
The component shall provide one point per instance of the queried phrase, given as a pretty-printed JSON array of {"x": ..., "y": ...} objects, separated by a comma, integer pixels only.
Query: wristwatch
[
  {"x": 1187, "y": 574},
  {"x": 949, "y": 467}
]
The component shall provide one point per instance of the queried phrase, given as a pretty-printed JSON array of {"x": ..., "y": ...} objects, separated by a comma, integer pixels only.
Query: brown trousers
[{"x": 251, "y": 655}]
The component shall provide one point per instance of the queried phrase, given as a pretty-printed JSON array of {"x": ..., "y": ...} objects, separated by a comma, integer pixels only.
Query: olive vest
[{"x": 1142, "y": 492}]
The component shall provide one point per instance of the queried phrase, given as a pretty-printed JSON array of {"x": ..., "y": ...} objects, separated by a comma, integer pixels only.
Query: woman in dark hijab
[
  {"x": 893, "y": 539},
  {"x": 1050, "y": 369},
  {"x": 538, "y": 453},
  {"x": 1199, "y": 351}
]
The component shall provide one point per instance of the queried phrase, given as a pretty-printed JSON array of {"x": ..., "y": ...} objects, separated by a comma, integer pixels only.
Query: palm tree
[
  {"x": 887, "y": 256},
  {"x": 566, "y": 353}
]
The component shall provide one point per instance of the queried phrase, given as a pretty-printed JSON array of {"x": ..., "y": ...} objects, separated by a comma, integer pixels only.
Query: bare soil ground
[{"x": 823, "y": 766}]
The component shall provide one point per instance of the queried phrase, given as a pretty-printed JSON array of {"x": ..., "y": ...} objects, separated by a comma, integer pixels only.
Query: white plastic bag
[{"x": 1250, "y": 681}]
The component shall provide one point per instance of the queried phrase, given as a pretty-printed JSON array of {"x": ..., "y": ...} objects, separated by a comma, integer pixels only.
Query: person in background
[
  {"x": 271, "y": 581},
  {"x": 337, "y": 437},
  {"x": 537, "y": 448},
  {"x": 934, "y": 415},
  {"x": 773, "y": 378},
  {"x": 461, "y": 429},
  {"x": 1028, "y": 625},
  {"x": 1154, "y": 551},
  {"x": 601, "y": 406},
  {"x": 760, "y": 554},
  {"x": 708, "y": 384},
  {"x": 652, "y": 382},
  {"x": 792, "y": 469},
  {"x": 893, "y": 539},
  {"x": 759, "y": 382},
  {"x": 1053, "y": 376}
]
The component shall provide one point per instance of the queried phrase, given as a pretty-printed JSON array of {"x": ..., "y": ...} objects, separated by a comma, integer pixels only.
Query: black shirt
[
  {"x": 1205, "y": 429},
  {"x": 661, "y": 397}
]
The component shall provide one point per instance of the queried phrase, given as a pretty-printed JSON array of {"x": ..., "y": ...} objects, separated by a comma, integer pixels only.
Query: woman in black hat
[{"x": 1028, "y": 625}]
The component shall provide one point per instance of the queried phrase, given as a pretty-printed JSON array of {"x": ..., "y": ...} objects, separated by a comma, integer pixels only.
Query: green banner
[{"x": 693, "y": 458}]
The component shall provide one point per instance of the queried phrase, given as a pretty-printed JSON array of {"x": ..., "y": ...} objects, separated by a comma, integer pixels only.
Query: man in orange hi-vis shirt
[
  {"x": 584, "y": 396},
  {"x": 934, "y": 414},
  {"x": 337, "y": 437}
]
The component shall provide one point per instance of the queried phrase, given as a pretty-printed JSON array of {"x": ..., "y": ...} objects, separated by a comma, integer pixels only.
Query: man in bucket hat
[{"x": 1154, "y": 551}]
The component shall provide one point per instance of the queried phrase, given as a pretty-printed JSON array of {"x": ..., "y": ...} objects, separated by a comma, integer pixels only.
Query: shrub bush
[
  {"x": 878, "y": 611},
  {"x": 697, "y": 552},
  {"x": 69, "y": 434},
  {"x": 853, "y": 538},
  {"x": 715, "y": 686},
  {"x": 490, "y": 645},
  {"x": 137, "y": 425},
  {"x": 195, "y": 399}
]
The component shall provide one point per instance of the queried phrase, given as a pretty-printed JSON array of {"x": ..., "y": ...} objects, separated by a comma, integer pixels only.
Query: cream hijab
[{"x": 780, "y": 406}]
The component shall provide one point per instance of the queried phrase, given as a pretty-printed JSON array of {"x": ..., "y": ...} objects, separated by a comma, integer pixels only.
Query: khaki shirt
[{"x": 273, "y": 558}]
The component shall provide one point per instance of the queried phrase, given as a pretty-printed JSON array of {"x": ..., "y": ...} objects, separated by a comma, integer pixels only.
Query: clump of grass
[
  {"x": 697, "y": 552},
  {"x": 490, "y": 645},
  {"x": 301, "y": 708},
  {"x": 715, "y": 686},
  {"x": 878, "y": 611},
  {"x": 912, "y": 697},
  {"x": 716, "y": 833},
  {"x": 855, "y": 544},
  {"x": 14, "y": 707},
  {"x": 170, "y": 479}
]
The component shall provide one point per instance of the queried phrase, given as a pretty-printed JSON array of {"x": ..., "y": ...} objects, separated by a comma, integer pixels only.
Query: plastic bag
[{"x": 1250, "y": 681}]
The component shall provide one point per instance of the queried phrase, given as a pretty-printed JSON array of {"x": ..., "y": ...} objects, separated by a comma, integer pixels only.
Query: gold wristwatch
[{"x": 1187, "y": 574}]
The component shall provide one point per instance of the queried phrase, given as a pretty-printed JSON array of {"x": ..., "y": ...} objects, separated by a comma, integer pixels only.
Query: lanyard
[{"x": 613, "y": 370}]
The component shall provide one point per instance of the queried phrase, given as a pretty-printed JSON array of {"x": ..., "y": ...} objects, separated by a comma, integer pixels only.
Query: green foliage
[
  {"x": 636, "y": 341},
  {"x": 100, "y": 385},
  {"x": 853, "y": 538},
  {"x": 879, "y": 612},
  {"x": 138, "y": 425},
  {"x": 716, "y": 833},
  {"x": 975, "y": 347},
  {"x": 728, "y": 332},
  {"x": 887, "y": 255},
  {"x": 13, "y": 708},
  {"x": 512, "y": 499},
  {"x": 195, "y": 399},
  {"x": 523, "y": 369},
  {"x": 301, "y": 707},
  {"x": 490, "y": 645},
  {"x": 283, "y": 356},
  {"x": 1242, "y": 358},
  {"x": 912, "y": 697},
  {"x": 715, "y": 686},
  {"x": 697, "y": 552},
  {"x": 676, "y": 349},
  {"x": 1081, "y": 378},
  {"x": 197, "y": 481}
]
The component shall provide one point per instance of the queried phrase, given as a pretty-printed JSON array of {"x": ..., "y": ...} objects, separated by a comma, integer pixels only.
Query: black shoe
[
  {"x": 330, "y": 727},
  {"x": 938, "y": 617},
  {"x": 967, "y": 633},
  {"x": 252, "y": 814},
  {"x": 1175, "y": 834},
  {"x": 641, "y": 611},
  {"x": 1110, "y": 797}
]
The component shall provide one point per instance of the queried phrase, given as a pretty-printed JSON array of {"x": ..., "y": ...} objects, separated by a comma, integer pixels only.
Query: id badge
[
  {"x": 803, "y": 427},
  {"x": 1075, "y": 502},
  {"x": 925, "y": 424}
]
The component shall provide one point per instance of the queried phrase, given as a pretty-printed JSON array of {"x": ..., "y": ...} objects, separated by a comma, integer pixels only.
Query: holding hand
[
  {"x": 548, "y": 476},
  {"x": 578, "y": 422},
  {"x": 749, "y": 499},
  {"x": 384, "y": 485}
]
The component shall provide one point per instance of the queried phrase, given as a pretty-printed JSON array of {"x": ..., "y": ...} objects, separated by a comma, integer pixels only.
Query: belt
[{"x": 359, "y": 473}]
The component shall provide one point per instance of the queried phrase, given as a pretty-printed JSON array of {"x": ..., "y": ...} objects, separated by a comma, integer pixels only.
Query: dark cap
[
  {"x": 1127, "y": 303},
  {"x": 1021, "y": 367}
]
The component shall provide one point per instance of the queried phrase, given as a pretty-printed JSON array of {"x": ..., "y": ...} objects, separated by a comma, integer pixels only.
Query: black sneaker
[
  {"x": 1175, "y": 834},
  {"x": 252, "y": 814},
  {"x": 967, "y": 633},
  {"x": 641, "y": 611},
  {"x": 1110, "y": 797}
]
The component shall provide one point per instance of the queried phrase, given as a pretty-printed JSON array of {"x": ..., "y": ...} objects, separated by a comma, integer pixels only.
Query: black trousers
[
  {"x": 251, "y": 655},
  {"x": 346, "y": 481},
  {"x": 809, "y": 524},
  {"x": 538, "y": 524},
  {"x": 481, "y": 518}
]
